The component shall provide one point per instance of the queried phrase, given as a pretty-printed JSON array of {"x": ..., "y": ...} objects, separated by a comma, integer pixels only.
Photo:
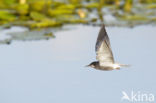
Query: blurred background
[
  {"x": 41, "y": 14},
  {"x": 45, "y": 44},
  {"x": 52, "y": 13}
]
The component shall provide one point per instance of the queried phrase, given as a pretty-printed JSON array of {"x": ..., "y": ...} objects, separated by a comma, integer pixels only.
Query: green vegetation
[
  {"x": 7, "y": 16},
  {"x": 53, "y": 13}
]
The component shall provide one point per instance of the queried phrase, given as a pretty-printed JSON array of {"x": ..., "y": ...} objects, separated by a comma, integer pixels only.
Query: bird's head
[{"x": 93, "y": 65}]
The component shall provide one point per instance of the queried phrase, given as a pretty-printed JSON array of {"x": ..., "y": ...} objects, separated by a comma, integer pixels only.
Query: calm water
[{"x": 52, "y": 71}]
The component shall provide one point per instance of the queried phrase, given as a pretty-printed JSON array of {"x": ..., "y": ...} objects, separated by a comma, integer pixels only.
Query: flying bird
[{"x": 104, "y": 53}]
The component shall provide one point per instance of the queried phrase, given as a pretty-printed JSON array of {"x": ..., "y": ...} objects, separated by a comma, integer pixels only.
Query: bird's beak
[{"x": 87, "y": 66}]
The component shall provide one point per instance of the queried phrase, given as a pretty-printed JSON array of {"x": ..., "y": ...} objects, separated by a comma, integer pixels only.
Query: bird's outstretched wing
[{"x": 103, "y": 48}]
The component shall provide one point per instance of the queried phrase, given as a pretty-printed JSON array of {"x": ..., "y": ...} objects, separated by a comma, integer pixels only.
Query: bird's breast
[{"x": 109, "y": 66}]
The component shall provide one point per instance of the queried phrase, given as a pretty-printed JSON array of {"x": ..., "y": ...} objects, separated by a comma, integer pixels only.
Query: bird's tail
[{"x": 124, "y": 65}]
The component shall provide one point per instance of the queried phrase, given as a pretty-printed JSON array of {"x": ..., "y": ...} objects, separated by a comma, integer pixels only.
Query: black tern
[{"x": 104, "y": 53}]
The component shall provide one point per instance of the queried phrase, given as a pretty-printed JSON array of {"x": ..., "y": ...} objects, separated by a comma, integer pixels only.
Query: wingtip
[{"x": 103, "y": 26}]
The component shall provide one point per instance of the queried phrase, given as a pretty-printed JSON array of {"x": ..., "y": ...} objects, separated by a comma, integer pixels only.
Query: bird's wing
[{"x": 103, "y": 48}]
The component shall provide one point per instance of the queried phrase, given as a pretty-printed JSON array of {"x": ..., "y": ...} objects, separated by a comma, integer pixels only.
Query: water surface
[{"x": 52, "y": 71}]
